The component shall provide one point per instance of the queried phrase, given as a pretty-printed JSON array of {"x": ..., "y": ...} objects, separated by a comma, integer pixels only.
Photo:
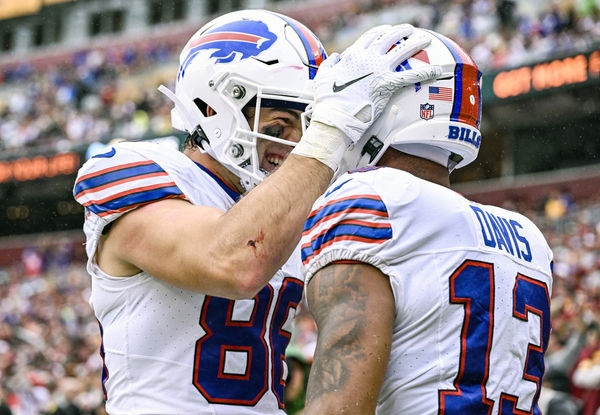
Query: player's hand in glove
[{"x": 352, "y": 89}]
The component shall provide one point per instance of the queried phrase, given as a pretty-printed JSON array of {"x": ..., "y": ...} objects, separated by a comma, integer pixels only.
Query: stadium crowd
[
  {"x": 98, "y": 95},
  {"x": 573, "y": 356},
  {"x": 49, "y": 338},
  {"x": 108, "y": 93}
]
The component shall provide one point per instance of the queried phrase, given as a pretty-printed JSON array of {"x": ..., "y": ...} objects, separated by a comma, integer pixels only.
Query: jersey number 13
[{"x": 472, "y": 285}]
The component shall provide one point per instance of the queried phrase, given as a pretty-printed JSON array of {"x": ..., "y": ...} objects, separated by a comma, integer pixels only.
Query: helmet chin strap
[{"x": 432, "y": 153}]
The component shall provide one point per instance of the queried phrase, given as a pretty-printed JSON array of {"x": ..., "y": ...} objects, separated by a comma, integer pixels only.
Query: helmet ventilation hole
[{"x": 203, "y": 107}]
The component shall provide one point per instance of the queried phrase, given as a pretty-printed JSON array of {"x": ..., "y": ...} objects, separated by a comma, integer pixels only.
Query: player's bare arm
[
  {"x": 231, "y": 254},
  {"x": 353, "y": 306}
]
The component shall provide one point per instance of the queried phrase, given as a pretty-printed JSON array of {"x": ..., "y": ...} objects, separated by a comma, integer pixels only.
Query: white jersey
[
  {"x": 168, "y": 350},
  {"x": 471, "y": 284}
]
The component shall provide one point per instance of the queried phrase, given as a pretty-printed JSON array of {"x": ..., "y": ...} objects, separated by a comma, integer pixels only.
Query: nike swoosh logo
[
  {"x": 338, "y": 88},
  {"x": 108, "y": 154}
]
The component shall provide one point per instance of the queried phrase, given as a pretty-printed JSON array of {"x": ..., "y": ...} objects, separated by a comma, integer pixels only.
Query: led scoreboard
[
  {"x": 36, "y": 193},
  {"x": 577, "y": 70}
]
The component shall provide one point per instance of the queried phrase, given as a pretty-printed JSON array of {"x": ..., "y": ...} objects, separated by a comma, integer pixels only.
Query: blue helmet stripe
[
  {"x": 457, "y": 76},
  {"x": 303, "y": 33}
]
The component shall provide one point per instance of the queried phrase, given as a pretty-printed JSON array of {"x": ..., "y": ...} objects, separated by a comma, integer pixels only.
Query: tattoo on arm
[{"x": 345, "y": 309}]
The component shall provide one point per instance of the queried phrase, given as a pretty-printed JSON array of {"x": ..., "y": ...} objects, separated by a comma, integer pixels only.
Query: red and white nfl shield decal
[{"x": 427, "y": 111}]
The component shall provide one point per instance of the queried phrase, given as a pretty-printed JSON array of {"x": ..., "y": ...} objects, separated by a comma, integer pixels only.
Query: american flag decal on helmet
[{"x": 440, "y": 93}]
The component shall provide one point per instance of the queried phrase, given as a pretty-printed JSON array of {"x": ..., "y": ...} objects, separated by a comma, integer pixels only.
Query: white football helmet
[
  {"x": 437, "y": 120},
  {"x": 253, "y": 57}
]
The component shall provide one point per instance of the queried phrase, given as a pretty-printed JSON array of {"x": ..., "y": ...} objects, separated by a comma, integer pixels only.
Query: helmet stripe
[
  {"x": 459, "y": 53},
  {"x": 223, "y": 36},
  {"x": 314, "y": 50},
  {"x": 467, "y": 103}
]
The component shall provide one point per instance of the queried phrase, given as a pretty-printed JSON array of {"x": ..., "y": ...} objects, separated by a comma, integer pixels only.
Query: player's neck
[
  {"x": 417, "y": 166},
  {"x": 217, "y": 168}
]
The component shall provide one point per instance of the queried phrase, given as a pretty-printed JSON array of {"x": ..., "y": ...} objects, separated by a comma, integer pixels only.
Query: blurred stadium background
[{"x": 77, "y": 74}]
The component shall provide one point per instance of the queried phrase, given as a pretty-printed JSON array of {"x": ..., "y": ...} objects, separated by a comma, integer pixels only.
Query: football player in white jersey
[
  {"x": 426, "y": 303},
  {"x": 190, "y": 283}
]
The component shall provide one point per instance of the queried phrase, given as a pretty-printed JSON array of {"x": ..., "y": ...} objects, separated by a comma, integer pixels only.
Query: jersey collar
[{"x": 234, "y": 194}]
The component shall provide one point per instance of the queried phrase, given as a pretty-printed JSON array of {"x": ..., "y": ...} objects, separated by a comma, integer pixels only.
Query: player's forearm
[
  {"x": 261, "y": 231},
  {"x": 354, "y": 309},
  {"x": 335, "y": 388}
]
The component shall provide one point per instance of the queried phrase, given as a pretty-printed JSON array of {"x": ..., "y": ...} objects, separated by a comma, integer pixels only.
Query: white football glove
[{"x": 352, "y": 89}]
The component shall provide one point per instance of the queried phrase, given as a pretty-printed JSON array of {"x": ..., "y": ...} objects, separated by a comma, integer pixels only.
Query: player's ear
[{"x": 209, "y": 111}]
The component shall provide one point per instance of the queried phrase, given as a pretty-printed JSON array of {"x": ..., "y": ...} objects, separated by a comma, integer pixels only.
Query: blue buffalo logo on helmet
[{"x": 230, "y": 42}]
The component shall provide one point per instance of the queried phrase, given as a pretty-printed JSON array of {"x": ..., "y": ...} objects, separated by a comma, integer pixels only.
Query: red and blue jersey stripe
[
  {"x": 128, "y": 200},
  {"x": 105, "y": 373},
  {"x": 366, "y": 231},
  {"x": 368, "y": 204},
  {"x": 364, "y": 169},
  {"x": 347, "y": 230},
  {"x": 466, "y": 85},
  {"x": 231, "y": 192},
  {"x": 114, "y": 175},
  {"x": 93, "y": 190}
]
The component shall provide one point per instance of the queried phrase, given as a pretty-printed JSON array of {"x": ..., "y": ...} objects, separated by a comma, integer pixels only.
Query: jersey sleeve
[
  {"x": 120, "y": 180},
  {"x": 350, "y": 222}
]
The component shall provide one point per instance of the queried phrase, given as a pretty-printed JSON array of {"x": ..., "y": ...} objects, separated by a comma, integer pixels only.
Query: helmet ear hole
[{"x": 204, "y": 108}]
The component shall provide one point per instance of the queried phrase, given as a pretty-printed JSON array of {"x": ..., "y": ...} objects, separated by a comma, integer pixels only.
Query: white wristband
[
  {"x": 324, "y": 143},
  {"x": 350, "y": 124}
]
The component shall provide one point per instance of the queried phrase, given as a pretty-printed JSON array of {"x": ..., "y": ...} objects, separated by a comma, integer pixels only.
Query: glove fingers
[
  {"x": 390, "y": 37},
  {"x": 330, "y": 61},
  {"x": 412, "y": 76},
  {"x": 369, "y": 36},
  {"x": 407, "y": 48}
]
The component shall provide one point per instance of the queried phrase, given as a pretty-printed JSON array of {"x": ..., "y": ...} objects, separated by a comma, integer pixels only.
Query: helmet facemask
[{"x": 241, "y": 152}]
